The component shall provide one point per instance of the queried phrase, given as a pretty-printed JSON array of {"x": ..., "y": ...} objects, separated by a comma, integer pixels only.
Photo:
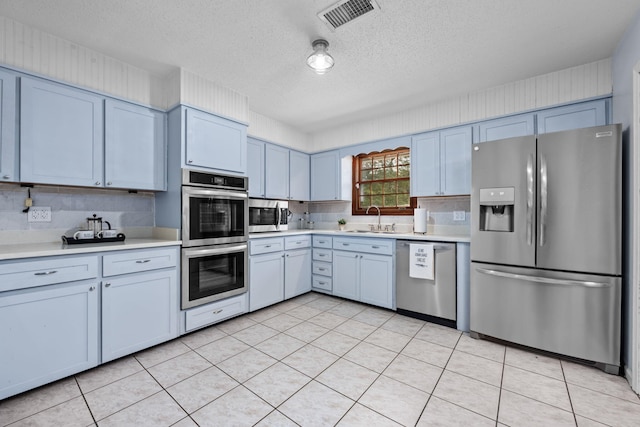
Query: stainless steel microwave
[{"x": 268, "y": 215}]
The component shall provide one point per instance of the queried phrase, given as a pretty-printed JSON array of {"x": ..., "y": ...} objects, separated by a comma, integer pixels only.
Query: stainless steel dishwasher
[{"x": 422, "y": 297}]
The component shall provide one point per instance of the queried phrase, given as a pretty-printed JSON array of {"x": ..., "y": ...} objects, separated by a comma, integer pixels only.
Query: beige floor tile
[
  {"x": 120, "y": 394},
  {"x": 222, "y": 349},
  {"x": 438, "y": 334},
  {"x": 346, "y": 309},
  {"x": 597, "y": 380},
  {"x": 535, "y": 363},
  {"x": 323, "y": 303},
  {"x": 158, "y": 410},
  {"x": 285, "y": 306},
  {"x": 603, "y": 408},
  {"x": 468, "y": 393},
  {"x": 355, "y": 329},
  {"x": 395, "y": 400},
  {"x": 371, "y": 356},
  {"x": 203, "y": 336},
  {"x": 185, "y": 422},
  {"x": 161, "y": 353},
  {"x": 304, "y": 312},
  {"x": 306, "y": 331},
  {"x": 414, "y": 372},
  {"x": 388, "y": 339},
  {"x": 255, "y": 334},
  {"x": 277, "y": 383},
  {"x": 348, "y": 378},
  {"x": 482, "y": 348},
  {"x": 428, "y": 352},
  {"x": 440, "y": 413},
  {"x": 108, "y": 373},
  {"x": 476, "y": 367},
  {"x": 264, "y": 314},
  {"x": 236, "y": 324},
  {"x": 31, "y": 402},
  {"x": 276, "y": 419},
  {"x": 586, "y": 422},
  {"x": 316, "y": 405},
  {"x": 361, "y": 416},
  {"x": 282, "y": 322},
  {"x": 280, "y": 346},
  {"x": 245, "y": 365},
  {"x": 71, "y": 413},
  {"x": 516, "y": 410},
  {"x": 328, "y": 320},
  {"x": 239, "y": 407},
  {"x": 538, "y": 387},
  {"x": 335, "y": 343},
  {"x": 403, "y": 325},
  {"x": 308, "y": 297},
  {"x": 310, "y": 360},
  {"x": 373, "y": 316},
  {"x": 179, "y": 368},
  {"x": 201, "y": 389}
]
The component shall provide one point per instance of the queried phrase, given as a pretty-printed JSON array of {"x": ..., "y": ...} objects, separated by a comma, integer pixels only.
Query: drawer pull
[
  {"x": 45, "y": 273},
  {"x": 375, "y": 247},
  {"x": 267, "y": 246},
  {"x": 92, "y": 288},
  {"x": 322, "y": 254},
  {"x": 321, "y": 269},
  {"x": 322, "y": 283},
  {"x": 141, "y": 261},
  {"x": 106, "y": 285},
  {"x": 322, "y": 241},
  {"x": 298, "y": 242},
  {"x": 345, "y": 244},
  {"x": 218, "y": 311}
]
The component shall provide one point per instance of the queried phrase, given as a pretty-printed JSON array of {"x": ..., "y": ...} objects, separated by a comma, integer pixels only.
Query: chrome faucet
[{"x": 367, "y": 213}]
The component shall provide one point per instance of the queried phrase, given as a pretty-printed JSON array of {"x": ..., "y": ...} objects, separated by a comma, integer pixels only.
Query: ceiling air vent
[{"x": 346, "y": 11}]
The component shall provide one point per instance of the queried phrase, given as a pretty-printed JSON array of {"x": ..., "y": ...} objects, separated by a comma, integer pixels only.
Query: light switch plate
[
  {"x": 458, "y": 215},
  {"x": 39, "y": 214}
]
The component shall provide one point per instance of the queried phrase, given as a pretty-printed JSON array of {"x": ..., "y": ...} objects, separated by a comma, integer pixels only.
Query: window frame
[{"x": 355, "y": 191}]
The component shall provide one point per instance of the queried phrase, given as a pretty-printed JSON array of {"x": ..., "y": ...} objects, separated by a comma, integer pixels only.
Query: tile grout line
[{"x": 504, "y": 358}]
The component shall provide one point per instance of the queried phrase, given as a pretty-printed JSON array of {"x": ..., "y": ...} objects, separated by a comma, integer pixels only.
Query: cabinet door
[
  {"x": 276, "y": 168},
  {"x": 47, "y": 333},
  {"x": 61, "y": 135},
  {"x": 8, "y": 128},
  {"x": 376, "y": 280},
  {"x": 138, "y": 311},
  {"x": 299, "y": 175},
  {"x": 215, "y": 143},
  {"x": 266, "y": 280},
  {"x": 583, "y": 115},
  {"x": 135, "y": 149},
  {"x": 325, "y": 176},
  {"x": 425, "y": 164},
  {"x": 346, "y": 274},
  {"x": 455, "y": 161},
  {"x": 506, "y": 127},
  {"x": 297, "y": 273},
  {"x": 255, "y": 167}
]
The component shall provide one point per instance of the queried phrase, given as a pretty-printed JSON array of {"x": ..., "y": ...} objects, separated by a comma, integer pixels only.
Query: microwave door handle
[{"x": 278, "y": 216}]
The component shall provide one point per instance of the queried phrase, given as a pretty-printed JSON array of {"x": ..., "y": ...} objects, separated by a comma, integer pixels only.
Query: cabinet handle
[
  {"x": 97, "y": 182},
  {"x": 189, "y": 161},
  {"x": 322, "y": 254},
  {"x": 298, "y": 243},
  {"x": 109, "y": 183},
  {"x": 140, "y": 261},
  {"x": 375, "y": 247},
  {"x": 45, "y": 273},
  {"x": 345, "y": 244},
  {"x": 106, "y": 285},
  {"x": 218, "y": 311},
  {"x": 322, "y": 283},
  {"x": 267, "y": 246},
  {"x": 321, "y": 241},
  {"x": 92, "y": 288},
  {"x": 6, "y": 177},
  {"x": 321, "y": 269},
  {"x": 356, "y": 256},
  {"x": 287, "y": 255}
]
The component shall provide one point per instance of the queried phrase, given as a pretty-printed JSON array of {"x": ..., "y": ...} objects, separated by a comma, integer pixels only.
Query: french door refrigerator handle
[
  {"x": 548, "y": 280},
  {"x": 530, "y": 196},
  {"x": 544, "y": 182}
]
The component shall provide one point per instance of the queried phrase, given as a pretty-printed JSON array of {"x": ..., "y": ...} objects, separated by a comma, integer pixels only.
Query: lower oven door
[{"x": 211, "y": 273}]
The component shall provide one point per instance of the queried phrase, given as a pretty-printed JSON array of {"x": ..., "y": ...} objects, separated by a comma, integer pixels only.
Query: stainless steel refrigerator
[{"x": 546, "y": 215}]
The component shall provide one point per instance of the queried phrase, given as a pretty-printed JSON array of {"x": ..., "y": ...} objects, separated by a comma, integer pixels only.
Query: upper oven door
[{"x": 211, "y": 217}]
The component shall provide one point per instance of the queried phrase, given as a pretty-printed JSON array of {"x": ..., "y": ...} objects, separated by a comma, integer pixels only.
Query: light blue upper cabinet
[
  {"x": 506, "y": 127},
  {"x": 425, "y": 164},
  {"x": 586, "y": 114},
  {"x": 299, "y": 165},
  {"x": 255, "y": 167},
  {"x": 325, "y": 176},
  {"x": 276, "y": 176},
  {"x": 215, "y": 143},
  {"x": 61, "y": 135},
  {"x": 9, "y": 165},
  {"x": 135, "y": 148}
]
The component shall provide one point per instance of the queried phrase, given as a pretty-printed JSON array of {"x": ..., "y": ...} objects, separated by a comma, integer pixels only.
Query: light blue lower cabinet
[
  {"x": 47, "y": 333},
  {"x": 346, "y": 275},
  {"x": 376, "y": 280},
  {"x": 266, "y": 280},
  {"x": 297, "y": 273}
]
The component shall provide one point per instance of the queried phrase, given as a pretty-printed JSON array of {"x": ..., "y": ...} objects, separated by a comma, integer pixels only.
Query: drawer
[
  {"x": 322, "y": 268},
  {"x": 322, "y": 254},
  {"x": 297, "y": 242},
  {"x": 126, "y": 262},
  {"x": 321, "y": 282},
  {"x": 372, "y": 246},
  {"x": 215, "y": 312},
  {"x": 46, "y": 271},
  {"x": 322, "y": 242},
  {"x": 265, "y": 246}
]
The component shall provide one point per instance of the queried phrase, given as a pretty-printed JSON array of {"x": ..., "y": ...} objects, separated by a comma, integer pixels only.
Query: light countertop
[{"x": 398, "y": 235}]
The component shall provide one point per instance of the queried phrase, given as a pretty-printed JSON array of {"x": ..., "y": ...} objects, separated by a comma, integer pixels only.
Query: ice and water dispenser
[{"x": 497, "y": 208}]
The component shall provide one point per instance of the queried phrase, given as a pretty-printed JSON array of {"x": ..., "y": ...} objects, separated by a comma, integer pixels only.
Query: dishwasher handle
[{"x": 435, "y": 247}]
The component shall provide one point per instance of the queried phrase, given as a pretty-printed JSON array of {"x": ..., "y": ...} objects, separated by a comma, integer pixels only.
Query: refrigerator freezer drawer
[{"x": 576, "y": 315}]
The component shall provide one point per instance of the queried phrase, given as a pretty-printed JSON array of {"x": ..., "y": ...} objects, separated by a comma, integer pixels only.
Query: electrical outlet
[
  {"x": 458, "y": 215},
  {"x": 39, "y": 214}
]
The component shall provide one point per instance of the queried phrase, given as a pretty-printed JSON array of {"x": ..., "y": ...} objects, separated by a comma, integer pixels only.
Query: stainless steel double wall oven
[{"x": 215, "y": 231}]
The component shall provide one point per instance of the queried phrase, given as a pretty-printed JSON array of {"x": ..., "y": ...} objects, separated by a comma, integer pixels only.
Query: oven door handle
[
  {"x": 216, "y": 250},
  {"x": 216, "y": 193}
]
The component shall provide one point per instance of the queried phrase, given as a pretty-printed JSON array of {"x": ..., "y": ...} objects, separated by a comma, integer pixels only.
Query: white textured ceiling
[{"x": 411, "y": 53}]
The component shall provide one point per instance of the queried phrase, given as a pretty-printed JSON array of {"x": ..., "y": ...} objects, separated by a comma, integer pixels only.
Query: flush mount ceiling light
[{"x": 320, "y": 60}]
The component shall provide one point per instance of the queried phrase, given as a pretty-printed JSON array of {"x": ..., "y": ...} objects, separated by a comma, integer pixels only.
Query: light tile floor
[{"x": 322, "y": 361}]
